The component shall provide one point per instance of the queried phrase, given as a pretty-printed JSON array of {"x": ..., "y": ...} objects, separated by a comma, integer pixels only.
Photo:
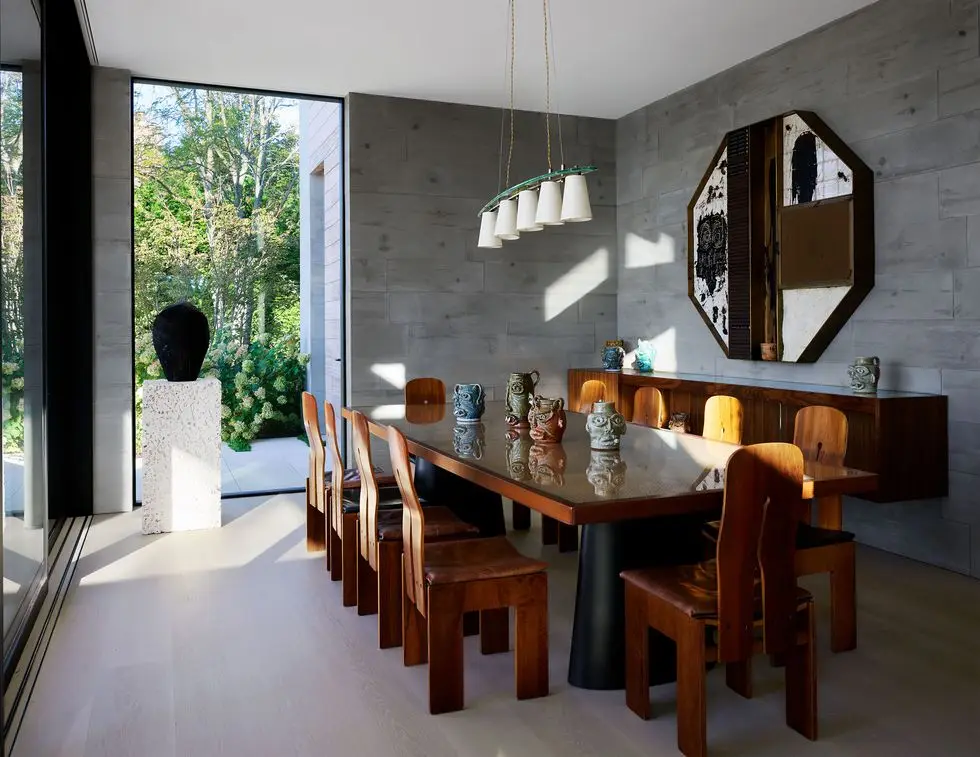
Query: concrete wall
[
  {"x": 424, "y": 300},
  {"x": 112, "y": 230},
  {"x": 900, "y": 83},
  {"x": 321, "y": 226}
]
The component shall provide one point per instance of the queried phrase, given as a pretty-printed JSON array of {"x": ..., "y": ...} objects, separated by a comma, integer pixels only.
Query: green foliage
[
  {"x": 13, "y": 400},
  {"x": 216, "y": 216},
  {"x": 261, "y": 385},
  {"x": 12, "y": 259},
  {"x": 216, "y": 223}
]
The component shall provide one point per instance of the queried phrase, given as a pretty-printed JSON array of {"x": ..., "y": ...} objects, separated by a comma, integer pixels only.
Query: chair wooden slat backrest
[
  {"x": 337, "y": 477},
  {"x": 591, "y": 391},
  {"x": 370, "y": 494},
  {"x": 763, "y": 500},
  {"x": 413, "y": 522},
  {"x": 723, "y": 419},
  {"x": 311, "y": 422},
  {"x": 821, "y": 432},
  {"x": 425, "y": 391},
  {"x": 649, "y": 408}
]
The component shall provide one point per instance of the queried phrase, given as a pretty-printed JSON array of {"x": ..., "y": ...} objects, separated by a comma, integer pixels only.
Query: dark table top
[{"x": 655, "y": 472}]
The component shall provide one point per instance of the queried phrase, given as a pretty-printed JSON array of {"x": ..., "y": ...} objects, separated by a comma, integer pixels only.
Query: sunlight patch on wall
[
  {"x": 574, "y": 285},
  {"x": 393, "y": 373},
  {"x": 646, "y": 253},
  {"x": 666, "y": 346}
]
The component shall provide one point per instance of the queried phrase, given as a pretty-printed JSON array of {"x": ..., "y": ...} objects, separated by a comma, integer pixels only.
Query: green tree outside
[{"x": 216, "y": 223}]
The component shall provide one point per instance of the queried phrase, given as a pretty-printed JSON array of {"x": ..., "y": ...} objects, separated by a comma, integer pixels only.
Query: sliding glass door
[{"x": 22, "y": 378}]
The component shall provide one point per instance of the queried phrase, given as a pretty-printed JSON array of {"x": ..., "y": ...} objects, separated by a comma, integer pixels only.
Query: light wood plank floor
[{"x": 234, "y": 643}]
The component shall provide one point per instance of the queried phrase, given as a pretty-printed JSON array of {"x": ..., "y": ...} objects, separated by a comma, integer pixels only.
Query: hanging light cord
[
  {"x": 547, "y": 82},
  {"x": 550, "y": 29},
  {"x": 513, "y": 40}
]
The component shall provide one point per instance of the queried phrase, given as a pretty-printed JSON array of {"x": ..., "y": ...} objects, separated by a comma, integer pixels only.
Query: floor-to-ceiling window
[
  {"x": 21, "y": 318},
  {"x": 224, "y": 219}
]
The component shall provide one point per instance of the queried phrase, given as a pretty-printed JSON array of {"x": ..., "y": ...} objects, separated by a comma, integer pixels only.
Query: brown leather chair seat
[
  {"x": 440, "y": 523},
  {"x": 352, "y": 479},
  {"x": 463, "y": 561},
  {"x": 807, "y": 536},
  {"x": 692, "y": 589},
  {"x": 390, "y": 499}
]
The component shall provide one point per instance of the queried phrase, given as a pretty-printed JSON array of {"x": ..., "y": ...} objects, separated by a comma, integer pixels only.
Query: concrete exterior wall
[
  {"x": 900, "y": 83},
  {"x": 321, "y": 227},
  {"x": 112, "y": 229},
  {"x": 424, "y": 300}
]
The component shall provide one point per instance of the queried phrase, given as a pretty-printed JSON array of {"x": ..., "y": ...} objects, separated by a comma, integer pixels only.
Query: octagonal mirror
[{"x": 781, "y": 239}]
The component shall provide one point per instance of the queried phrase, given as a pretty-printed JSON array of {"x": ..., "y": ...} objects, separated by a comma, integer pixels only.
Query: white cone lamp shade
[
  {"x": 527, "y": 209},
  {"x": 575, "y": 206},
  {"x": 488, "y": 223},
  {"x": 506, "y": 227},
  {"x": 549, "y": 204}
]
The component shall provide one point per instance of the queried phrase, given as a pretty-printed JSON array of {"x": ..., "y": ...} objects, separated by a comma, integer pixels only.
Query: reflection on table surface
[{"x": 650, "y": 463}]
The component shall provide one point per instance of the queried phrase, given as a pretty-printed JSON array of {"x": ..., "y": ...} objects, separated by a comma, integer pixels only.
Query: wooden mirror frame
[{"x": 749, "y": 315}]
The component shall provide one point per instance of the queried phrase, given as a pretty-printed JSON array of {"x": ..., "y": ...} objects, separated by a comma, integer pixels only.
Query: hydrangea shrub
[{"x": 261, "y": 385}]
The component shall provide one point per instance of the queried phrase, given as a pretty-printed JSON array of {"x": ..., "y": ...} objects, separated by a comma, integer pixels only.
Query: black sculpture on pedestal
[{"x": 180, "y": 337}]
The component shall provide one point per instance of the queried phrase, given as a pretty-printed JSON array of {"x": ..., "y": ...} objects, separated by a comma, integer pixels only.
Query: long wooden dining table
[{"x": 634, "y": 504}]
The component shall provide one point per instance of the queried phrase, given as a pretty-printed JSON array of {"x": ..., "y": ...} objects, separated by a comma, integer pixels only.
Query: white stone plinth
[{"x": 181, "y": 455}]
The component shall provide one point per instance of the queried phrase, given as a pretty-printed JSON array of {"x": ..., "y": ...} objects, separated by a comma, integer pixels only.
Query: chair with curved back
[
  {"x": 649, "y": 407},
  {"x": 591, "y": 391},
  {"x": 723, "y": 419},
  {"x": 821, "y": 433},
  {"x": 743, "y": 602},
  {"x": 342, "y": 512},
  {"x": 379, "y": 586},
  {"x": 316, "y": 511},
  {"x": 425, "y": 391},
  {"x": 442, "y": 581}
]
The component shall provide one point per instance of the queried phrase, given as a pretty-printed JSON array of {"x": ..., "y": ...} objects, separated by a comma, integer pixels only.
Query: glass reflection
[
  {"x": 710, "y": 478},
  {"x": 519, "y": 443},
  {"x": 546, "y": 463},
  {"x": 606, "y": 472},
  {"x": 469, "y": 440},
  {"x": 22, "y": 380}
]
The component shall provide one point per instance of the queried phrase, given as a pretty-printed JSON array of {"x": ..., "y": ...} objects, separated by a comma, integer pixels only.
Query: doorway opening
[{"x": 238, "y": 209}]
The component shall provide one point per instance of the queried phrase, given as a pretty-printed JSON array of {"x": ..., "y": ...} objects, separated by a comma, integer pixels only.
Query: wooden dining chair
[
  {"x": 821, "y": 433},
  {"x": 649, "y": 407},
  {"x": 744, "y": 602},
  {"x": 316, "y": 511},
  {"x": 425, "y": 391},
  {"x": 591, "y": 391},
  {"x": 342, "y": 507},
  {"x": 379, "y": 564},
  {"x": 442, "y": 581},
  {"x": 723, "y": 419}
]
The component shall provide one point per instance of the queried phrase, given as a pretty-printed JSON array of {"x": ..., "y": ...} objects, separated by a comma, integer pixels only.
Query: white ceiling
[
  {"x": 20, "y": 33},
  {"x": 613, "y": 56}
]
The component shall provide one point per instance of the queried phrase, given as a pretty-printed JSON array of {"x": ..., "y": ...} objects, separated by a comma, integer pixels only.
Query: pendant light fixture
[{"x": 535, "y": 203}]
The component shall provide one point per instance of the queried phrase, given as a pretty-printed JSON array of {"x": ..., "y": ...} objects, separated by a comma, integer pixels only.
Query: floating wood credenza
[{"x": 901, "y": 436}]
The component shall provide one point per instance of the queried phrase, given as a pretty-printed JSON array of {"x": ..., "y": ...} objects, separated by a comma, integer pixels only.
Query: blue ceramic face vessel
[
  {"x": 468, "y": 403},
  {"x": 643, "y": 362},
  {"x": 612, "y": 358}
]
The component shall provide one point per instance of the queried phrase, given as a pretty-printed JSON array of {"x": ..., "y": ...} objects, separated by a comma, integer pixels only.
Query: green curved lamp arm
[{"x": 512, "y": 192}]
